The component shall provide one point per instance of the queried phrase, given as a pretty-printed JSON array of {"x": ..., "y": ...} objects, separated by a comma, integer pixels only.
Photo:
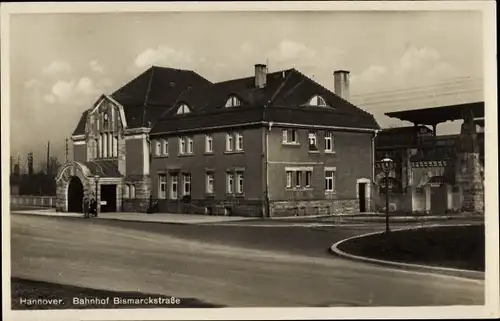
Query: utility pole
[{"x": 48, "y": 158}]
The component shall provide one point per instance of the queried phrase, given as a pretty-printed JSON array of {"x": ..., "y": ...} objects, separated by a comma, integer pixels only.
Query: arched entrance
[{"x": 75, "y": 195}]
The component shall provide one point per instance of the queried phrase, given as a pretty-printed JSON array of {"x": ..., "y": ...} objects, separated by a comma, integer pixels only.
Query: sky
[{"x": 61, "y": 63}]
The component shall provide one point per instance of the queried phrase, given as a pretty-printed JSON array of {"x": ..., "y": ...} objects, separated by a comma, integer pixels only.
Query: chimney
[
  {"x": 260, "y": 75},
  {"x": 341, "y": 83}
]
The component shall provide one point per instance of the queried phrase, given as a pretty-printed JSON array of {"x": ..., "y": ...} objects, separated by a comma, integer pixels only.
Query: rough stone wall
[
  {"x": 316, "y": 207},
  {"x": 470, "y": 179},
  {"x": 142, "y": 185}
]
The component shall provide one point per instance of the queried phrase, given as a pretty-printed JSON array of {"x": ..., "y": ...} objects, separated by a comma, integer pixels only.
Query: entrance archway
[{"x": 75, "y": 195}]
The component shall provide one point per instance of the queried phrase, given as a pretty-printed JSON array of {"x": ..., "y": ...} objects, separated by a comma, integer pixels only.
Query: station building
[{"x": 271, "y": 144}]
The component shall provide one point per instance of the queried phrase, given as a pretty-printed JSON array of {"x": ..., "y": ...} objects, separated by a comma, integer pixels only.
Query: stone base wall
[
  {"x": 316, "y": 207},
  {"x": 236, "y": 207},
  {"x": 473, "y": 201},
  {"x": 140, "y": 202},
  {"x": 137, "y": 205}
]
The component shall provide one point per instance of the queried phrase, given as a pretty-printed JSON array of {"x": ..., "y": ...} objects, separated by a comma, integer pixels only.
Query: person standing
[{"x": 86, "y": 205}]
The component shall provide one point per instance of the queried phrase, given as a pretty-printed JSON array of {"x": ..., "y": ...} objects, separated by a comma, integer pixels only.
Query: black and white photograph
[{"x": 231, "y": 160}]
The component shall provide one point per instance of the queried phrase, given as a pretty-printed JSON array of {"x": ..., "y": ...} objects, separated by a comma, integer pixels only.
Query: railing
[{"x": 32, "y": 201}]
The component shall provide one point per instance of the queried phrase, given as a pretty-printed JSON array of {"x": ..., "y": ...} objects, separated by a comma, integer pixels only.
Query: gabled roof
[
  {"x": 80, "y": 127},
  {"x": 103, "y": 168},
  {"x": 149, "y": 95},
  {"x": 282, "y": 99},
  {"x": 152, "y": 99}
]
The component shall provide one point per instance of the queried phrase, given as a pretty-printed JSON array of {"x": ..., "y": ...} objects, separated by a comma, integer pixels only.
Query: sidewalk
[
  {"x": 310, "y": 221},
  {"x": 142, "y": 217}
]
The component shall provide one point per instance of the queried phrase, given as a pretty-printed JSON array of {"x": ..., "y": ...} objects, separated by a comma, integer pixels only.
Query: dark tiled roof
[
  {"x": 103, "y": 168},
  {"x": 80, "y": 127},
  {"x": 152, "y": 98},
  {"x": 153, "y": 92},
  {"x": 283, "y": 99}
]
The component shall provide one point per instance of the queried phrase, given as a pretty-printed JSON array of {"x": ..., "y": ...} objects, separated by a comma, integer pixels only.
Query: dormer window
[
  {"x": 233, "y": 101},
  {"x": 317, "y": 101},
  {"x": 183, "y": 109}
]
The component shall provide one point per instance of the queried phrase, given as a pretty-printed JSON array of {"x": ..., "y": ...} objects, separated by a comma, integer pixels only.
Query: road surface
[{"x": 201, "y": 262}]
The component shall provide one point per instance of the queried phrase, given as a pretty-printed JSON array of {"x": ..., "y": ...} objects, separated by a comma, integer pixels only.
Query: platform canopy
[
  {"x": 436, "y": 115},
  {"x": 479, "y": 122}
]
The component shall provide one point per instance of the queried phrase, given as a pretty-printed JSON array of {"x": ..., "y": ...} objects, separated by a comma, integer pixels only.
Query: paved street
[{"x": 238, "y": 266}]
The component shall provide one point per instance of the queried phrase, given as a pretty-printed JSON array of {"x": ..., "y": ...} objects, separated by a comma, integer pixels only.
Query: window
[
  {"x": 233, "y": 101},
  {"x": 105, "y": 125},
  {"x": 174, "y": 179},
  {"x": 240, "y": 178},
  {"x": 110, "y": 145},
  {"x": 182, "y": 146},
  {"x": 210, "y": 183},
  {"x": 290, "y": 136},
  {"x": 230, "y": 182},
  {"x": 209, "y": 141},
  {"x": 313, "y": 144},
  {"x": 164, "y": 149},
  {"x": 229, "y": 142},
  {"x": 104, "y": 145},
  {"x": 126, "y": 191},
  {"x": 183, "y": 109},
  {"x": 100, "y": 145},
  {"x": 98, "y": 122},
  {"x": 157, "y": 148},
  {"x": 308, "y": 178},
  {"x": 239, "y": 141},
  {"x": 329, "y": 180},
  {"x": 298, "y": 179},
  {"x": 115, "y": 146},
  {"x": 289, "y": 178},
  {"x": 328, "y": 142},
  {"x": 96, "y": 143},
  {"x": 162, "y": 186},
  {"x": 132, "y": 191},
  {"x": 186, "y": 178},
  {"x": 317, "y": 101},
  {"x": 190, "y": 145}
]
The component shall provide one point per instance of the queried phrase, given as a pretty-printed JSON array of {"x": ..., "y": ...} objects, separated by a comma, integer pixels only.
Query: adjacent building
[
  {"x": 272, "y": 144},
  {"x": 433, "y": 174}
]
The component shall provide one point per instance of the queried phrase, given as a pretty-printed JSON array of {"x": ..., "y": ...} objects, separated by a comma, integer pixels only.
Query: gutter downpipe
[{"x": 266, "y": 168}]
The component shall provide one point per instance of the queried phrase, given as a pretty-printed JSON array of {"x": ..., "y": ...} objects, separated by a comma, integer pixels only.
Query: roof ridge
[
  {"x": 345, "y": 101},
  {"x": 148, "y": 91},
  {"x": 249, "y": 77}
]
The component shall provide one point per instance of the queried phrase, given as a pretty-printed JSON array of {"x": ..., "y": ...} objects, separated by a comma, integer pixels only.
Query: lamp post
[
  {"x": 97, "y": 202},
  {"x": 387, "y": 164}
]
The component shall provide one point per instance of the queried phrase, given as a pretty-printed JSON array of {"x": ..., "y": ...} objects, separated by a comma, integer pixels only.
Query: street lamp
[
  {"x": 387, "y": 164},
  {"x": 96, "y": 177}
]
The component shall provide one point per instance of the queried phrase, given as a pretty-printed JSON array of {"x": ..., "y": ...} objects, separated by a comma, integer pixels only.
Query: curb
[{"x": 476, "y": 275}]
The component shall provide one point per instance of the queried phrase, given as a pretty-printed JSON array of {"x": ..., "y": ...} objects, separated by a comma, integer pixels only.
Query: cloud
[
  {"x": 50, "y": 98},
  {"x": 57, "y": 67},
  {"x": 63, "y": 89},
  {"x": 86, "y": 86},
  {"x": 370, "y": 74},
  {"x": 73, "y": 90},
  {"x": 96, "y": 67},
  {"x": 162, "y": 55},
  {"x": 416, "y": 66}
]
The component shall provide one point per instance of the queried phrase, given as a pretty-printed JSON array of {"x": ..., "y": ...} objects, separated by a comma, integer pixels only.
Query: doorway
[
  {"x": 439, "y": 199},
  {"x": 75, "y": 195},
  {"x": 108, "y": 198},
  {"x": 362, "y": 197}
]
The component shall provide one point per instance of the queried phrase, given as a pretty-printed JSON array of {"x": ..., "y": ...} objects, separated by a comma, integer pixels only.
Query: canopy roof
[{"x": 435, "y": 115}]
